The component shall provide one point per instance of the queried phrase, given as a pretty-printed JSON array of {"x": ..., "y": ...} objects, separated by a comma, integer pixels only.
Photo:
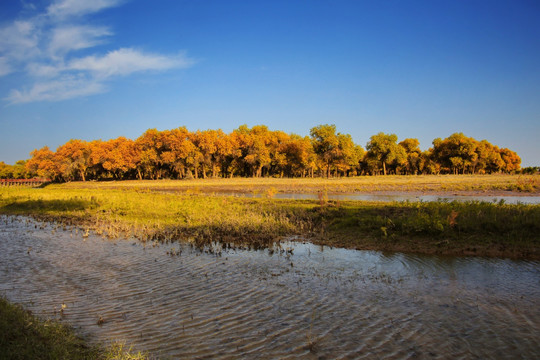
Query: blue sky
[{"x": 425, "y": 69}]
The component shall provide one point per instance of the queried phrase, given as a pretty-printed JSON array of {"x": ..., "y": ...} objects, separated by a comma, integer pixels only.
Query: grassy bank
[
  {"x": 472, "y": 228},
  {"x": 484, "y": 184},
  {"x": 24, "y": 336}
]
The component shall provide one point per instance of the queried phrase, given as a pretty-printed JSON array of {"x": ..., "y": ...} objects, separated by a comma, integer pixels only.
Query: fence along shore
[{"x": 23, "y": 182}]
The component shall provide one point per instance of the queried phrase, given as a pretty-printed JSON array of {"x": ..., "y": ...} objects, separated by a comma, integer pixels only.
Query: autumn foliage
[{"x": 259, "y": 152}]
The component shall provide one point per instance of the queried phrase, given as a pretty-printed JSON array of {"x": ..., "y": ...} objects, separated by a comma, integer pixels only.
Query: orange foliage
[{"x": 259, "y": 151}]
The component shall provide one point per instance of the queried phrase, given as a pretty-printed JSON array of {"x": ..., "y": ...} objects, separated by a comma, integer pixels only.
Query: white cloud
[
  {"x": 66, "y": 87},
  {"x": 19, "y": 40},
  {"x": 69, "y": 38},
  {"x": 65, "y": 8},
  {"x": 28, "y": 5},
  {"x": 5, "y": 68},
  {"x": 126, "y": 61},
  {"x": 121, "y": 62},
  {"x": 43, "y": 49},
  {"x": 44, "y": 70}
]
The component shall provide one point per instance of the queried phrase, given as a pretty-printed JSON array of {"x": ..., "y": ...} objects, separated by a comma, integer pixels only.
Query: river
[{"x": 294, "y": 301}]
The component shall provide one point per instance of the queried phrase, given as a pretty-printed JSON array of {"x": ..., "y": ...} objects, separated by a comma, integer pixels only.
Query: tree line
[{"x": 259, "y": 152}]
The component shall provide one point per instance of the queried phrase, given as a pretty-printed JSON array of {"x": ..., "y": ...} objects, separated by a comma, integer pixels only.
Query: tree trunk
[{"x": 384, "y": 167}]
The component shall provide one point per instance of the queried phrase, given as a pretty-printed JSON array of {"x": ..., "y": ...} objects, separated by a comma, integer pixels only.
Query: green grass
[
  {"x": 24, "y": 336},
  {"x": 475, "y": 228},
  {"x": 469, "y": 228}
]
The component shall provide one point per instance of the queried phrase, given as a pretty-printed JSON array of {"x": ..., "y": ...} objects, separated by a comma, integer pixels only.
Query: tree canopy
[{"x": 258, "y": 151}]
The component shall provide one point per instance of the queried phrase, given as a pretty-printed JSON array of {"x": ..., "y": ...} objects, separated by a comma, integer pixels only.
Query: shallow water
[
  {"x": 314, "y": 303},
  {"x": 403, "y": 197}
]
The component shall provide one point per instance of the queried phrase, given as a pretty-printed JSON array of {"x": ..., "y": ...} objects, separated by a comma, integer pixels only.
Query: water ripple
[{"x": 314, "y": 303}]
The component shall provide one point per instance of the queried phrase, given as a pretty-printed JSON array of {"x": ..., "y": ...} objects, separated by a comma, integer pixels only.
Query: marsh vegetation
[{"x": 189, "y": 211}]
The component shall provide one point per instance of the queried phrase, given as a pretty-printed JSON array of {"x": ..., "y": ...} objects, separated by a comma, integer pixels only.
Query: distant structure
[{"x": 23, "y": 182}]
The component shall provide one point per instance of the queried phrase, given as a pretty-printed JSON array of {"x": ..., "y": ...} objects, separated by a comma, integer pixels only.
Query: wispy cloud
[
  {"x": 4, "y": 66},
  {"x": 44, "y": 70},
  {"x": 127, "y": 61},
  {"x": 76, "y": 37},
  {"x": 44, "y": 49},
  {"x": 63, "y": 88},
  {"x": 19, "y": 40},
  {"x": 64, "y": 8}
]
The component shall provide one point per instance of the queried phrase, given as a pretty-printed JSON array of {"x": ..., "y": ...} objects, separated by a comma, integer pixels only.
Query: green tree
[
  {"x": 5, "y": 171},
  {"x": 412, "y": 149},
  {"x": 384, "y": 149},
  {"x": 457, "y": 153},
  {"x": 428, "y": 165},
  {"x": 326, "y": 145},
  {"x": 16, "y": 171},
  {"x": 349, "y": 154},
  {"x": 488, "y": 158},
  {"x": 277, "y": 144}
]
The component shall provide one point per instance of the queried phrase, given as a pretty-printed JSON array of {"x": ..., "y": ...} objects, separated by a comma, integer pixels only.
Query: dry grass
[{"x": 424, "y": 183}]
